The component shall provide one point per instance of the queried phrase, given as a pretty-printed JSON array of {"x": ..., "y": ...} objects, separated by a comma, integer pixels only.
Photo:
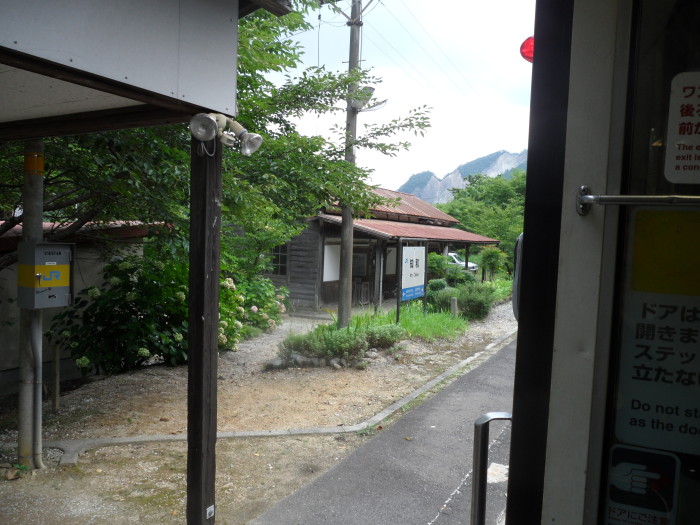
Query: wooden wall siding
[{"x": 304, "y": 266}]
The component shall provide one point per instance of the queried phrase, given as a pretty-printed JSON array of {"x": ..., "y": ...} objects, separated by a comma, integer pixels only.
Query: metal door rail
[
  {"x": 584, "y": 200},
  {"x": 480, "y": 466}
]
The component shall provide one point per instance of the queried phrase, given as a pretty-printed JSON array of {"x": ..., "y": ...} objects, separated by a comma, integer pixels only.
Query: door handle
[{"x": 584, "y": 200}]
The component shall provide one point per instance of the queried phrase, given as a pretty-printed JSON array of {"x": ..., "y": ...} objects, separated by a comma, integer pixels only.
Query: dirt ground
[{"x": 146, "y": 483}]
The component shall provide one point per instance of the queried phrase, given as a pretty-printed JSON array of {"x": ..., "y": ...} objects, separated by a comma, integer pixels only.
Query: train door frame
[
  {"x": 600, "y": 53},
  {"x": 578, "y": 104}
]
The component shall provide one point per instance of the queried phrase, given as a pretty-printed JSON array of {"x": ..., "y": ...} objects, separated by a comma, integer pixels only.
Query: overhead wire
[
  {"x": 458, "y": 85},
  {"x": 435, "y": 43},
  {"x": 339, "y": 14},
  {"x": 366, "y": 7},
  {"x": 419, "y": 76},
  {"x": 415, "y": 75}
]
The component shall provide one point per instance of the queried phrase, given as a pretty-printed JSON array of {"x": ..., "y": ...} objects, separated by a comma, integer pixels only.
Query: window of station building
[{"x": 278, "y": 260}]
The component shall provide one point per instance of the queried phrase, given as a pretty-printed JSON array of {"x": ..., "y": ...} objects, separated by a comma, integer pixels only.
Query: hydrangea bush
[
  {"x": 263, "y": 305},
  {"x": 140, "y": 312}
]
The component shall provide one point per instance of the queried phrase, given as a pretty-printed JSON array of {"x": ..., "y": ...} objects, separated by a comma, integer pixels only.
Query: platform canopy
[{"x": 86, "y": 66}]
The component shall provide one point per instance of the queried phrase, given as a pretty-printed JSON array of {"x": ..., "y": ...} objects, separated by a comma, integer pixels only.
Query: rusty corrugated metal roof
[
  {"x": 112, "y": 230},
  {"x": 411, "y": 205},
  {"x": 409, "y": 230}
]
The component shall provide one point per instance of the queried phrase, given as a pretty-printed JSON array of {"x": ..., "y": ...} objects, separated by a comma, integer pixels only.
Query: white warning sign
[{"x": 682, "y": 163}]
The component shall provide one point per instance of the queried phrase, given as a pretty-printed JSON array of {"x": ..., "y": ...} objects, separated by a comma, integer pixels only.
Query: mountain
[{"x": 427, "y": 186}]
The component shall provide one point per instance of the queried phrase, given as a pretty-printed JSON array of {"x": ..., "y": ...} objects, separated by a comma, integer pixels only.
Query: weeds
[
  {"x": 369, "y": 431},
  {"x": 351, "y": 343},
  {"x": 428, "y": 327}
]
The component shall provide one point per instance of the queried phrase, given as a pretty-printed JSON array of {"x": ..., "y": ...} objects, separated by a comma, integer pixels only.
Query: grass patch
[
  {"x": 370, "y": 330},
  {"x": 426, "y": 326}
]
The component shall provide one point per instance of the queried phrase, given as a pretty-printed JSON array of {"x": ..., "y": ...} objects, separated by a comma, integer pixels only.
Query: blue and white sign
[{"x": 413, "y": 273}]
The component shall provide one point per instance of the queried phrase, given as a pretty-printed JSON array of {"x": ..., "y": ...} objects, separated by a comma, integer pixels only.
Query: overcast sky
[{"x": 460, "y": 57}]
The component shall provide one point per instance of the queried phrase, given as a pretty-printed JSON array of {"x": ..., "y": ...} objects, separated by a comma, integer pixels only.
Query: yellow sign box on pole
[{"x": 44, "y": 275}]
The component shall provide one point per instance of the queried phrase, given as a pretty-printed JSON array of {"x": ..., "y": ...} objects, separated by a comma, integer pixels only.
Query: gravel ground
[{"x": 125, "y": 484}]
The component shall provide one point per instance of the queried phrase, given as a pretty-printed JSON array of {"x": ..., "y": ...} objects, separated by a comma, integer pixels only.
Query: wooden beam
[
  {"x": 92, "y": 122},
  {"x": 205, "y": 222}
]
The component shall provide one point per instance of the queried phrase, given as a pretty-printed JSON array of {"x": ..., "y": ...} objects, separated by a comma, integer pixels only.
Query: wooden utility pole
[
  {"x": 205, "y": 228},
  {"x": 346, "y": 230}
]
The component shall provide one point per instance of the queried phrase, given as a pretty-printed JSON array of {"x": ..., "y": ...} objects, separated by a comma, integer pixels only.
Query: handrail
[
  {"x": 480, "y": 466},
  {"x": 584, "y": 200}
]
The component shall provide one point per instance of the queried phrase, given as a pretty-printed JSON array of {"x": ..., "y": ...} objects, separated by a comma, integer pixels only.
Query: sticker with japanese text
[{"x": 682, "y": 163}]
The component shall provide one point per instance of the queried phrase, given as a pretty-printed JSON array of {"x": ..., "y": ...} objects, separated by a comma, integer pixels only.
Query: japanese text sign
[
  {"x": 659, "y": 371},
  {"x": 682, "y": 162}
]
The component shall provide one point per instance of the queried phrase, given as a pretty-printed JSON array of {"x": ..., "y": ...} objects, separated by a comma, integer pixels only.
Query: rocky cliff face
[
  {"x": 430, "y": 188},
  {"x": 438, "y": 190}
]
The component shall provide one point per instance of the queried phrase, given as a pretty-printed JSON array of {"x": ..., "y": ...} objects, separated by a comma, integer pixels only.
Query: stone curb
[{"x": 73, "y": 448}]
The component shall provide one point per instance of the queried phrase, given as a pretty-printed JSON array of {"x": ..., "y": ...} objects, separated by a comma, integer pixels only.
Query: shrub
[
  {"x": 434, "y": 287},
  {"x": 502, "y": 288},
  {"x": 298, "y": 344},
  {"x": 329, "y": 341},
  {"x": 457, "y": 275},
  {"x": 346, "y": 344},
  {"x": 437, "y": 284},
  {"x": 384, "y": 336},
  {"x": 475, "y": 300},
  {"x": 231, "y": 330},
  {"x": 442, "y": 299},
  {"x": 263, "y": 304},
  {"x": 437, "y": 265},
  {"x": 139, "y": 311}
]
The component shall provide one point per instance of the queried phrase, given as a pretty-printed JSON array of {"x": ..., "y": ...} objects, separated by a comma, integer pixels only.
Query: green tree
[
  {"x": 143, "y": 174},
  {"x": 491, "y": 206},
  {"x": 131, "y": 175},
  {"x": 292, "y": 176},
  {"x": 493, "y": 260}
]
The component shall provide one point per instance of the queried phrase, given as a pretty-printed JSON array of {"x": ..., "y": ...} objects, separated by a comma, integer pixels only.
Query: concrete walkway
[{"x": 418, "y": 471}]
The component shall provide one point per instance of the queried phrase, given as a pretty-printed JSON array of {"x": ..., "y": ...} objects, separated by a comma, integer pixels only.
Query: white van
[{"x": 455, "y": 258}]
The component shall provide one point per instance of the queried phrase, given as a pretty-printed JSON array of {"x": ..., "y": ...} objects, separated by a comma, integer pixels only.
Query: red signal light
[{"x": 527, "y": 49}]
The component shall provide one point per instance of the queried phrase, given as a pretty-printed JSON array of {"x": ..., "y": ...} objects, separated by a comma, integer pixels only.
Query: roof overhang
[
  {"x": 85, "y": 67},
  {"x": 393, "y": 230},
  {"x": 119, "y": 230},
  {"x": 276, "y": 7}
]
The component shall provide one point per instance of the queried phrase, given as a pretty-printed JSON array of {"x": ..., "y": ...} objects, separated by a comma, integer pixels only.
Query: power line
[
  {"x": 419, "y": 75},
  {"x": 437, "y": 46}
]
